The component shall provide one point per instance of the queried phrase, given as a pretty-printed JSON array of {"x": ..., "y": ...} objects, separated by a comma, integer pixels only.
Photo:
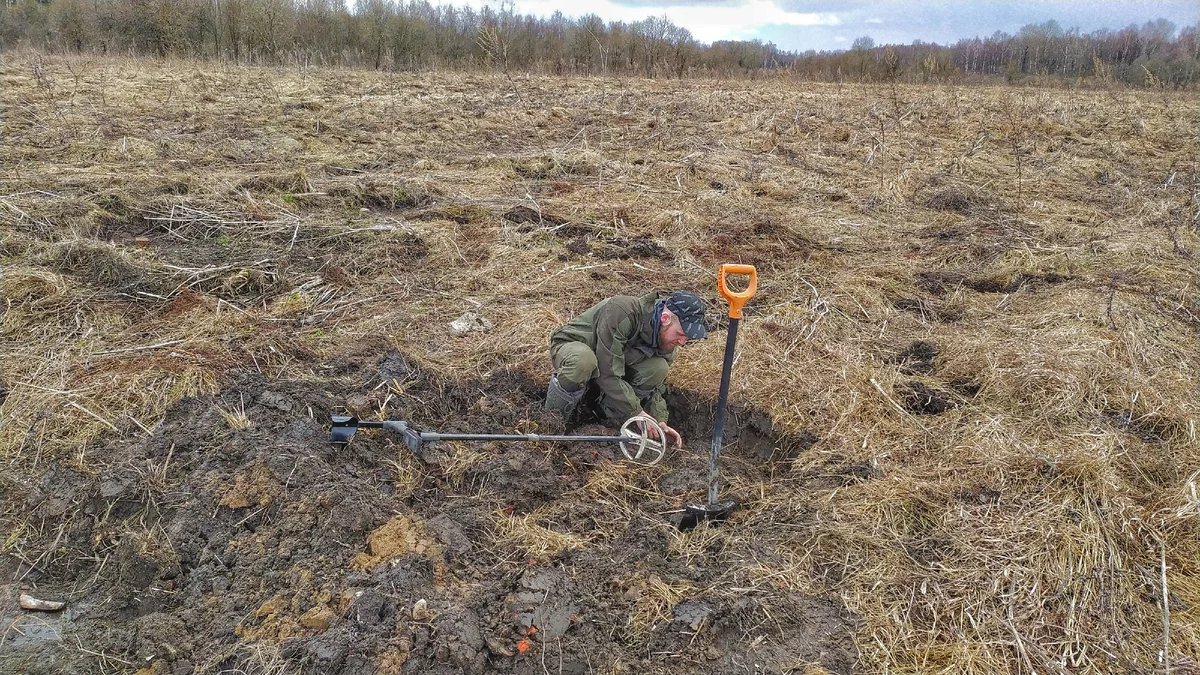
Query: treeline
[
  {"x": 1154, "y": 54},
  {"x": 415, "y": 35}
]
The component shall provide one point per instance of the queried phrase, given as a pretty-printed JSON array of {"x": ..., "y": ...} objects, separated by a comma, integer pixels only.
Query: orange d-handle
[{"x": 737, "y": 298}]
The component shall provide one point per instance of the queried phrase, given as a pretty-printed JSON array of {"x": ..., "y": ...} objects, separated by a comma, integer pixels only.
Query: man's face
[{"x": 670, "y": 333}]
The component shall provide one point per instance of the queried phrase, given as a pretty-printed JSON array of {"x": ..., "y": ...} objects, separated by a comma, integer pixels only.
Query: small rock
[
  {"x": 421, "y": 611},
  {"x": 111, "y": 487},
  {"x": 359, "y": 404},
  {"x": 276, "y": 400},
  {"x": 319, "y": 617},
  {"x": 30, "y": 602},
  {"x": 470, "y": 322},
  {"x": 220, "y": 584},
  {"x": 496, "y": 646},
  {"x": 692, "y": 614}
]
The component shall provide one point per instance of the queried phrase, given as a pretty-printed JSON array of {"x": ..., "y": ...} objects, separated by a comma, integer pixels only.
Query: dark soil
[
  {"x": 214, "y": 550},
  {"x": 616, "y": 248},
  {"x": 925, "y": 400},
  {"x": 950, "y": 200},
  {"x": 523, "y": 215},
  {"x": 940, "y": 283},
  {"x": 917, "y": 358}
]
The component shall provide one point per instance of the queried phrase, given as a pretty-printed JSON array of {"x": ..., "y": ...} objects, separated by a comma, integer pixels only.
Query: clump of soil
[
  {"x": 522, "y": 215},
  {"x": 950, "y": 200},
  {"x": 372, "y": 194},
  {"x": 398, "y": 537},
  {"x": 468, "y": 214},
  {"x": 529, "y": 220},
  {"x": 966, "y": 387},
  {"x": 942, "y": 282},
  {"x": 977, "y": 494},
  {"x": 925, "y": 400},
  {"x": 759, "y": 236},
  {"x": 916, "y": 306},
  {"x": 917, "y": 358},
  {"x": 618, "y": 248},
  {"x": 748, "y": 430},
  {"x": 276, "y": 182},
  {"x": 105, "y": 267}
]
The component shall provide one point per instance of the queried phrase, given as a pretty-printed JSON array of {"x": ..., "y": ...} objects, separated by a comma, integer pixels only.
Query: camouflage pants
[{"x": 575, "y": 365}]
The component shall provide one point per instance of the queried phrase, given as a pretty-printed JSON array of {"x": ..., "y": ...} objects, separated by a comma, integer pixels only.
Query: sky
[{"x": 800, "y": 25}]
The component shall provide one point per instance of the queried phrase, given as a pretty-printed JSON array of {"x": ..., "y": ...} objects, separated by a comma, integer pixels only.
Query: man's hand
[
  {"x": 671, "y": 433},
  {"x": 652, "y": 433}
]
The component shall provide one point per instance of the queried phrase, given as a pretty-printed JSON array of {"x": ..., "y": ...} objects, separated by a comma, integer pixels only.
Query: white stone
[{"x": 470, "y": 322}]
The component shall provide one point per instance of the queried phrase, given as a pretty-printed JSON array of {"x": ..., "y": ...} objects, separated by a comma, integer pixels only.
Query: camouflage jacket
[{"x": 620, "y": 331}]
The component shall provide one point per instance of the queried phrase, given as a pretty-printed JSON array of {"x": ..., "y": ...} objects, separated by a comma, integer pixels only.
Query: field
[{"x": 963, "y": 412}]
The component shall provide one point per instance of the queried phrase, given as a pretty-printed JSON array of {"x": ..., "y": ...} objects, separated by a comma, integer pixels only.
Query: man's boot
[{"x": 562, "y": 399}]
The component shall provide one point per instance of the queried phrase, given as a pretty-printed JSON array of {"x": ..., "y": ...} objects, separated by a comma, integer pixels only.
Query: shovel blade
[{"x": 714, "y": 514}]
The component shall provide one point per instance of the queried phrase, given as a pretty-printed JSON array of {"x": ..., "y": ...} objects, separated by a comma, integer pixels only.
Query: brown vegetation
[
  {"x": 416, "y": 35},
  {"x": 965, "y": 396}
]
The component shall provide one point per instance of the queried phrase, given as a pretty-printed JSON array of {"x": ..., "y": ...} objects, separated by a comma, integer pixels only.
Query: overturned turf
[{"x": 369, "y": 558}]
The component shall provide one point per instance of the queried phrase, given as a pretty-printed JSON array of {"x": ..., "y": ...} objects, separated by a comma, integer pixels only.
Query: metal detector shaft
[
  {"x": 433, "y": 436},
  {"x": 533, "y": 438},
  {"x": 640, "y": 438}
]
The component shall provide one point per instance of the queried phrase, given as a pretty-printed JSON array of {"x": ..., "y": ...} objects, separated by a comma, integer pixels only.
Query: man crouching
[{"x": 624, "y": 346}]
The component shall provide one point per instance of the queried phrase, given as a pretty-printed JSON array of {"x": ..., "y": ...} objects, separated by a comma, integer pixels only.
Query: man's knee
[
  {"x": 575, "y": 364},
  {"x": 649, "y": 374}
]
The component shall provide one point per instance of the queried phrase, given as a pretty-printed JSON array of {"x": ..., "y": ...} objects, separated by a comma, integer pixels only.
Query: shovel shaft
[{"x": 719, "y": 420}]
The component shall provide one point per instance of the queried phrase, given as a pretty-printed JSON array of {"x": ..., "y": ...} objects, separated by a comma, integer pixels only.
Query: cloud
[
  {"x": 708, "y": 21},
  {"x": 679, "y": 3},
  {"x": 832, "y": 24},
  {"x": 947, "y": 21}
]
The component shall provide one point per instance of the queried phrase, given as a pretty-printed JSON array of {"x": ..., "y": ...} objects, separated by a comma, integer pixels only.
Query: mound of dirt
[{"x": 264, "y": 542}]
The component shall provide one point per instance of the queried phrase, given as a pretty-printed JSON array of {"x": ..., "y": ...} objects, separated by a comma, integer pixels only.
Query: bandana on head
[{"x": 689, "y": 309}]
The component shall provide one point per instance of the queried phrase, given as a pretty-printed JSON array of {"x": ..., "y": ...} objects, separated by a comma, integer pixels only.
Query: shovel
[{"x": 718, "y": 511}]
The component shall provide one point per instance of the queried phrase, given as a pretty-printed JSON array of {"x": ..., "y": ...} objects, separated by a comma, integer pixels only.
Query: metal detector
[{"x": 641, "y": 439}]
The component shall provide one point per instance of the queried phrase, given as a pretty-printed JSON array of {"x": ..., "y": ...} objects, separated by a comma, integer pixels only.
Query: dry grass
[
  {"x": 532, "y": 535},
  {"x": 235, "y": 416},
  {"x": 1045, "y": 242},
  {"x": 652, "y": 600},
  {"x": 408, "y": 471},
  {"x": 459, "y": 458}
]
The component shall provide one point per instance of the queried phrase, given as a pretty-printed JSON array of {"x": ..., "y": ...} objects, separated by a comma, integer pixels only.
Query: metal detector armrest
[
  {"x": 411, "y": 437},
  {"x": 342, "y": 428}
]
